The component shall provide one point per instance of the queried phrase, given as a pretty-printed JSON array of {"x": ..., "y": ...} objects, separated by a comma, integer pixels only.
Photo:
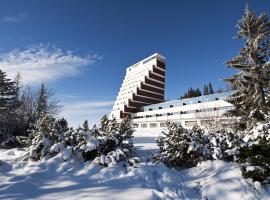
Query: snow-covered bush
[
  {"x": 47, "y": 132},
  {"x": 86, "y": 144},
  {"x": 224, "y": 144},
  {"x": 105, "y": 144},
  {"x": 10, "y": 142},
  {"x": 115, "y": 142},
  {"x": 254, "y": 155},
  {"x": 15, "y": 142},
  {"x": 182, "y": 148}
]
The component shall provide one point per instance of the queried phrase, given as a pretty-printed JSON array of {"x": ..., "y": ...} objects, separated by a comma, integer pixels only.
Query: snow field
[{"x": 55, "y": 179}]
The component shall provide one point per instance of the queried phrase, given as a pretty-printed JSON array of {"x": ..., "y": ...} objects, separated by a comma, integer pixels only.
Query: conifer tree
[
  {"x": 198, "y": 92},
  {"x": 41, "y": 107},
  {"x": 85, "y": 125},
  {"x": 125, "y": 133},
  {"x": 205, "y": 90},
  {"x": 252, "y": 81},
  {"x": 104, "y": 124},
  {"x": 211, "y": 90},
  {"x": 8, "y": 104}
]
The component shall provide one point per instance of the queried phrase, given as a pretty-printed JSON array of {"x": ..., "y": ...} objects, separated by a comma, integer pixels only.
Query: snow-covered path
[{"x": 54, "y": 179}]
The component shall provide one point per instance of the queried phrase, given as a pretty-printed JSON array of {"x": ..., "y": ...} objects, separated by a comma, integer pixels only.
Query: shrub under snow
[
  {"x": 47, "y": 133},
  {"x": 106, "y": 144},
  {"x": 254, "y": 155},
  {"x": 180, "y": 147},
  {"x": 115, "y": 141}
]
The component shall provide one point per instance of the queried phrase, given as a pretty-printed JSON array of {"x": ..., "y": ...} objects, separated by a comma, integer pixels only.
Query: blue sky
[{"x": 81, "y": 48}]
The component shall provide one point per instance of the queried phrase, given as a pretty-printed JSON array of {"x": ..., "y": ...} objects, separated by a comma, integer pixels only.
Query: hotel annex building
[{"x": 141, "y": 98}]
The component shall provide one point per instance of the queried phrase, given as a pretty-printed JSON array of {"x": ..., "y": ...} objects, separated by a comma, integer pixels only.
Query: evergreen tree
[
  {"x": 18, "y": 83},
  {"x": 252, "y": 82},
  {"x": 85, "y": 125},
  {"x": 41, "y": 107},
  {"x": 198, "y": 92},
  {"x": 125, "y": 134},
  {"x": 191, "y": 93},
  {"x": 211, "y": 90},
  {"x": 8, "y": 104},
  {"x": 205, "y": 90},
  {"x": 103, "y": 127},
  {"x": 48, "y": 137},
  {"x": 173, "y": 147}
]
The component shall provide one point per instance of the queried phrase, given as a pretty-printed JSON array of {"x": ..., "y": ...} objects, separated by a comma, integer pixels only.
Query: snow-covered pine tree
[
  {"x": 8, "y": 105},
  {"x": 117, "y": 143},
  {"x": 86, "y": 144},
  {"x": 252, "y": 82},
  {"x": 109, "y": 132},
  {"x": 103, "y": 127},
  {"x": 173, "y": 146},
  {"x": 48, "y": 138},
  {"x": 85, "y": 125},
  {"x": 95, "y": 131},
  {"x": 41, "y": 106},
  {"x": 254, "y": 153},
  {"x": 41, "y": 141},
  {"x": 70, "y": 137},
  {"x": 125, "y": 134},
  {"x": 112, "y": 130}
]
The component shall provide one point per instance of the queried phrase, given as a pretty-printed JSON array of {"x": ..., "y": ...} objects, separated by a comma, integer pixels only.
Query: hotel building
[{"x": 141, "y": 98}]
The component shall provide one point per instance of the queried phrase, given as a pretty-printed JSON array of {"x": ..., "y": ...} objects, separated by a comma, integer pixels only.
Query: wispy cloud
[
  {"x": 44, "y": 63},
  {"x": 14, "y": 18},
  {"x": 77, "y": 112}
]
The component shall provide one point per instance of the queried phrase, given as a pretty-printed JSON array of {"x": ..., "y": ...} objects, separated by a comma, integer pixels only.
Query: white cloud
[
  {"x": 77, "y": 112},
  {"x": 14, "y": 18},
  {"x": 43, "y": 63}
]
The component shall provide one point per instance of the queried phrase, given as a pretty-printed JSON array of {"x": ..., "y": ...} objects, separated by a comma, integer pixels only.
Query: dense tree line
[
  {"x": 191, "y": 92},
  {"x": 21, "y": 107}
]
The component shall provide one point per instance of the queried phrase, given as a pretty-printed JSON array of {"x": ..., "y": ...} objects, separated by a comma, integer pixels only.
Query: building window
[
  {"x": 153, "y": 125},
  {"x": 150, "y": 109},
  {"x": 199, "y": 102},
  {"x": 163, "y": 124},
  {"x": 135, "y": 125},
  {"x": 217, "y": 99},
  {"x": 143, "y": 125},
  {"x": 207, "y": 122},
  {"x": 190, "y": 123},
  {"x": 171, "y": 106},
  {"x": 184, "y": 104},
  {"x": 159, "y": 107}
]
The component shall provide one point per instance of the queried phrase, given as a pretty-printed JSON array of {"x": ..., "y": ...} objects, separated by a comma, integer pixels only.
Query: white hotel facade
[{"x": 141, "y": 98}]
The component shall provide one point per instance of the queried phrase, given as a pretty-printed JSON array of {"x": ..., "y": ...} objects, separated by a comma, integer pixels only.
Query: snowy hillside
[{"x": 54, "y": 179}]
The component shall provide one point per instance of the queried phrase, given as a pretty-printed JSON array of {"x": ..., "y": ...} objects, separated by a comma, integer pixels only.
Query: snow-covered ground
[{"x": 54, "y": 179}]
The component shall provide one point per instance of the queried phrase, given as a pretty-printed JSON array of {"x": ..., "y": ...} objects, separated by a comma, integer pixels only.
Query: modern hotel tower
[
  {"x": 141, "y": 99},
  {"x": 143, "y": 85}
]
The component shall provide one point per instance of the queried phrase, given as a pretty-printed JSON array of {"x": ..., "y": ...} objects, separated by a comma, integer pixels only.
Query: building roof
[{"x": 188, "y": 101}]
